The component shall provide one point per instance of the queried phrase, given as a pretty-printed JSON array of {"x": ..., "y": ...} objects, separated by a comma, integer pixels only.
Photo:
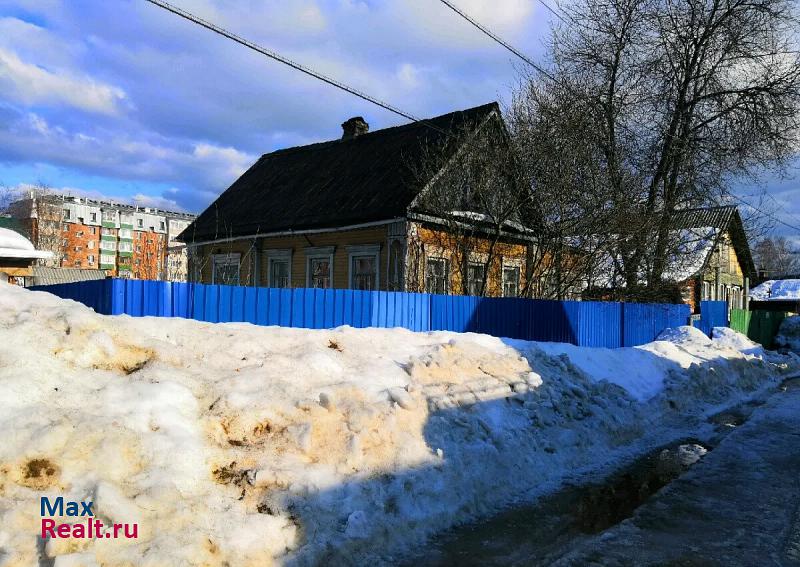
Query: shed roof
[{"x": 43, "y": 275}]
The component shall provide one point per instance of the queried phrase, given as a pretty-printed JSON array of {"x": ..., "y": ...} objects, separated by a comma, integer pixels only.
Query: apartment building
[{"x": 121, "y": 240}]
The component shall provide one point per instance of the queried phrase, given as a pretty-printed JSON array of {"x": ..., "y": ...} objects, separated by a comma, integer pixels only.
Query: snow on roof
[
  {"x": 693, "y": 248},
  {"x": 761, "y": 291},
  {"x": 776, "y": 290},
  {"x": 14, "y": 245}
]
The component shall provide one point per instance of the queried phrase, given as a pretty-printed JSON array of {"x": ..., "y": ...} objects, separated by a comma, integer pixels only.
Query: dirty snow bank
[
  {"x": 789, "y": 334},
  {"x": 239, "y": 445}
]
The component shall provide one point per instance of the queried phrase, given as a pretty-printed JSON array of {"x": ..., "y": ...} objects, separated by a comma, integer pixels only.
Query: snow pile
[
  {"x": 789, "y": 334},
  {"x": 776, "y": 290},
  {"x": 239, "y": 445},
  {"x": 737, "y": 341}
]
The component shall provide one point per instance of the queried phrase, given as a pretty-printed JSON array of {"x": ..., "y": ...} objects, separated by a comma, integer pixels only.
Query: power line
[
  {"x": 495, "y": 37},
  {"x": 552, "y": 11},
  {"x": 285, "y": 60},
  {"x": 765, "y": 213}
]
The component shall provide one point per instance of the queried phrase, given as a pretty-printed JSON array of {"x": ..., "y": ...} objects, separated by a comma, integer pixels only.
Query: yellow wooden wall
[
  {"x": 431, "y": 242},
  {"x": 298, "y": 244}
]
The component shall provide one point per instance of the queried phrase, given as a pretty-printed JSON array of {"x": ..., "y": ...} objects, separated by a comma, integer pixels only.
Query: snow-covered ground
[
  {"x": 231, "y": 444},
  {"x": 789, "y": 334}
]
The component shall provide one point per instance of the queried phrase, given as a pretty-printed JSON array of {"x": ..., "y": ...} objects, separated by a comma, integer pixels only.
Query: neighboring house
[
  {"x": 120, "y": 240},
  {"x": 776, "y": 295},
  {"x": 347, "y": 214},
  {"x": 17, "y": 256},
  {"x": 776, "y": 290},
  {"x": 718, "y": 264},
  {"x": 709, "y": 259}
]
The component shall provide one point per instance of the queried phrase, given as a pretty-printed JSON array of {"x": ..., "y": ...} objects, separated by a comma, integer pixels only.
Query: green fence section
[{"x": 759, "y": 326}]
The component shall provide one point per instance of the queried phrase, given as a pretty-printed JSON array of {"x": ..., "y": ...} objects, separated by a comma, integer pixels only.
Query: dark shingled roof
[
  {"x": 724, "y": 218},
  {"x": 714, "y": 217},
  {"x": 338, "y": 183}
]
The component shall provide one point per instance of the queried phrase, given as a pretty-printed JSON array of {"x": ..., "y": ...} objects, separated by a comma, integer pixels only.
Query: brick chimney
[{"x": 354, "y": 127}]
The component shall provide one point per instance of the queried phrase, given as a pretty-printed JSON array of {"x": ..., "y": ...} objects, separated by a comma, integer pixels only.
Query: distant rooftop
[{"x": 120, "y": 206}]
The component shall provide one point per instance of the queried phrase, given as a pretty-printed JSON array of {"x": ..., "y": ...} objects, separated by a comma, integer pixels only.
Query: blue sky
[{"x": 124, "y": 100}]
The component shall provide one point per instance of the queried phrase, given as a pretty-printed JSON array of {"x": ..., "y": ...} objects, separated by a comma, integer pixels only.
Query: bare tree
[
  {"x": 476, "y": 203},
  {"x": 552, "y": 130},
  {"x": 40, "y": 210},
  {"x": 777, "y": 258},
  {"x": 679, "y": 98}
]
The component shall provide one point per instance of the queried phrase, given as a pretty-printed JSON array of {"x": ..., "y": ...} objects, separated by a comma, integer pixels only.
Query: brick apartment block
[{"x": 121, "y": 240}]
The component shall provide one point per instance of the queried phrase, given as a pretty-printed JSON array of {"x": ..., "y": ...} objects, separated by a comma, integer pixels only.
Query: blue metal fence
[
  {"x": 584, "y": 323},
  {"x": 712, "y": 314}
]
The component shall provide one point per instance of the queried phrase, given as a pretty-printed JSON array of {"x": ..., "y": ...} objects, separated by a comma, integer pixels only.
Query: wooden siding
[
  {"x": 432, "y": 242},
  {"x": 249, "y": 249},
  {"x": 725, "y": 258}
]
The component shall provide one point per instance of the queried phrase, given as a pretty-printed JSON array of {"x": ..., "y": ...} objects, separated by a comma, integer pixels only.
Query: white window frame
[
  {"x": 278, "y": 255},
  {"x": 428, "y": 259},
  {"x": 510, "y": 265},
  {"x": 482, "y": 266},
  {"x": 363, "y": 250},
  {"x": 317, "y": 253},
  {"x": 226, "y": 259}
]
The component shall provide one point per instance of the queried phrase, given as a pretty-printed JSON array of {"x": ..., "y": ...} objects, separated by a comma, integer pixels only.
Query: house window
[
  {"x": 437, "y": 274},
  {"x": 475, "y": 273},
  {"x": 510, "y": 281},
  {"x": 140, "y": 223},
  {"x": 279, "y": 273},
  {"x": 94, "y": 219},
  {"x": 90, "y": 258},
  {"x": 279, "y": 268},
  {"x": 364, "y": 272},
  {"x": 93, "y": 230},
  {"x": 320, "y": 272},
  {"x": 67, "y": 214},
  {"x": 396, "y": 266},
  {"x": 161, "y": 225},
  {"x": 364, "y": 260},
  {"x": 319, "y": 267},
  {"x": 225, "y": 269}
]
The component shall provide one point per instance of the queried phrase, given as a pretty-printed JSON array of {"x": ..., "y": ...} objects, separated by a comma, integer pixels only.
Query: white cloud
[
  {"x": 230, "y": 160},
  {"x": 200, "y": 165},
  {"x": 29, "y": 84},
  {"x": 205, "y": 107}
]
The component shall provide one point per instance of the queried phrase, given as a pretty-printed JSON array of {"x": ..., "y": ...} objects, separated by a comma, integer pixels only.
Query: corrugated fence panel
[
  {"x": 211, "y": 304},
  {"x": 457, "y": 313},
  {"x": 182, "y": 294},
  {"x": 598, "y": 324},
  {"x": 713, "y": 314}
]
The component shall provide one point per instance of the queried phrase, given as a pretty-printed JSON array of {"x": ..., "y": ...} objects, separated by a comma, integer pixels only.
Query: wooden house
[{"x": 347, "y": 213}]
